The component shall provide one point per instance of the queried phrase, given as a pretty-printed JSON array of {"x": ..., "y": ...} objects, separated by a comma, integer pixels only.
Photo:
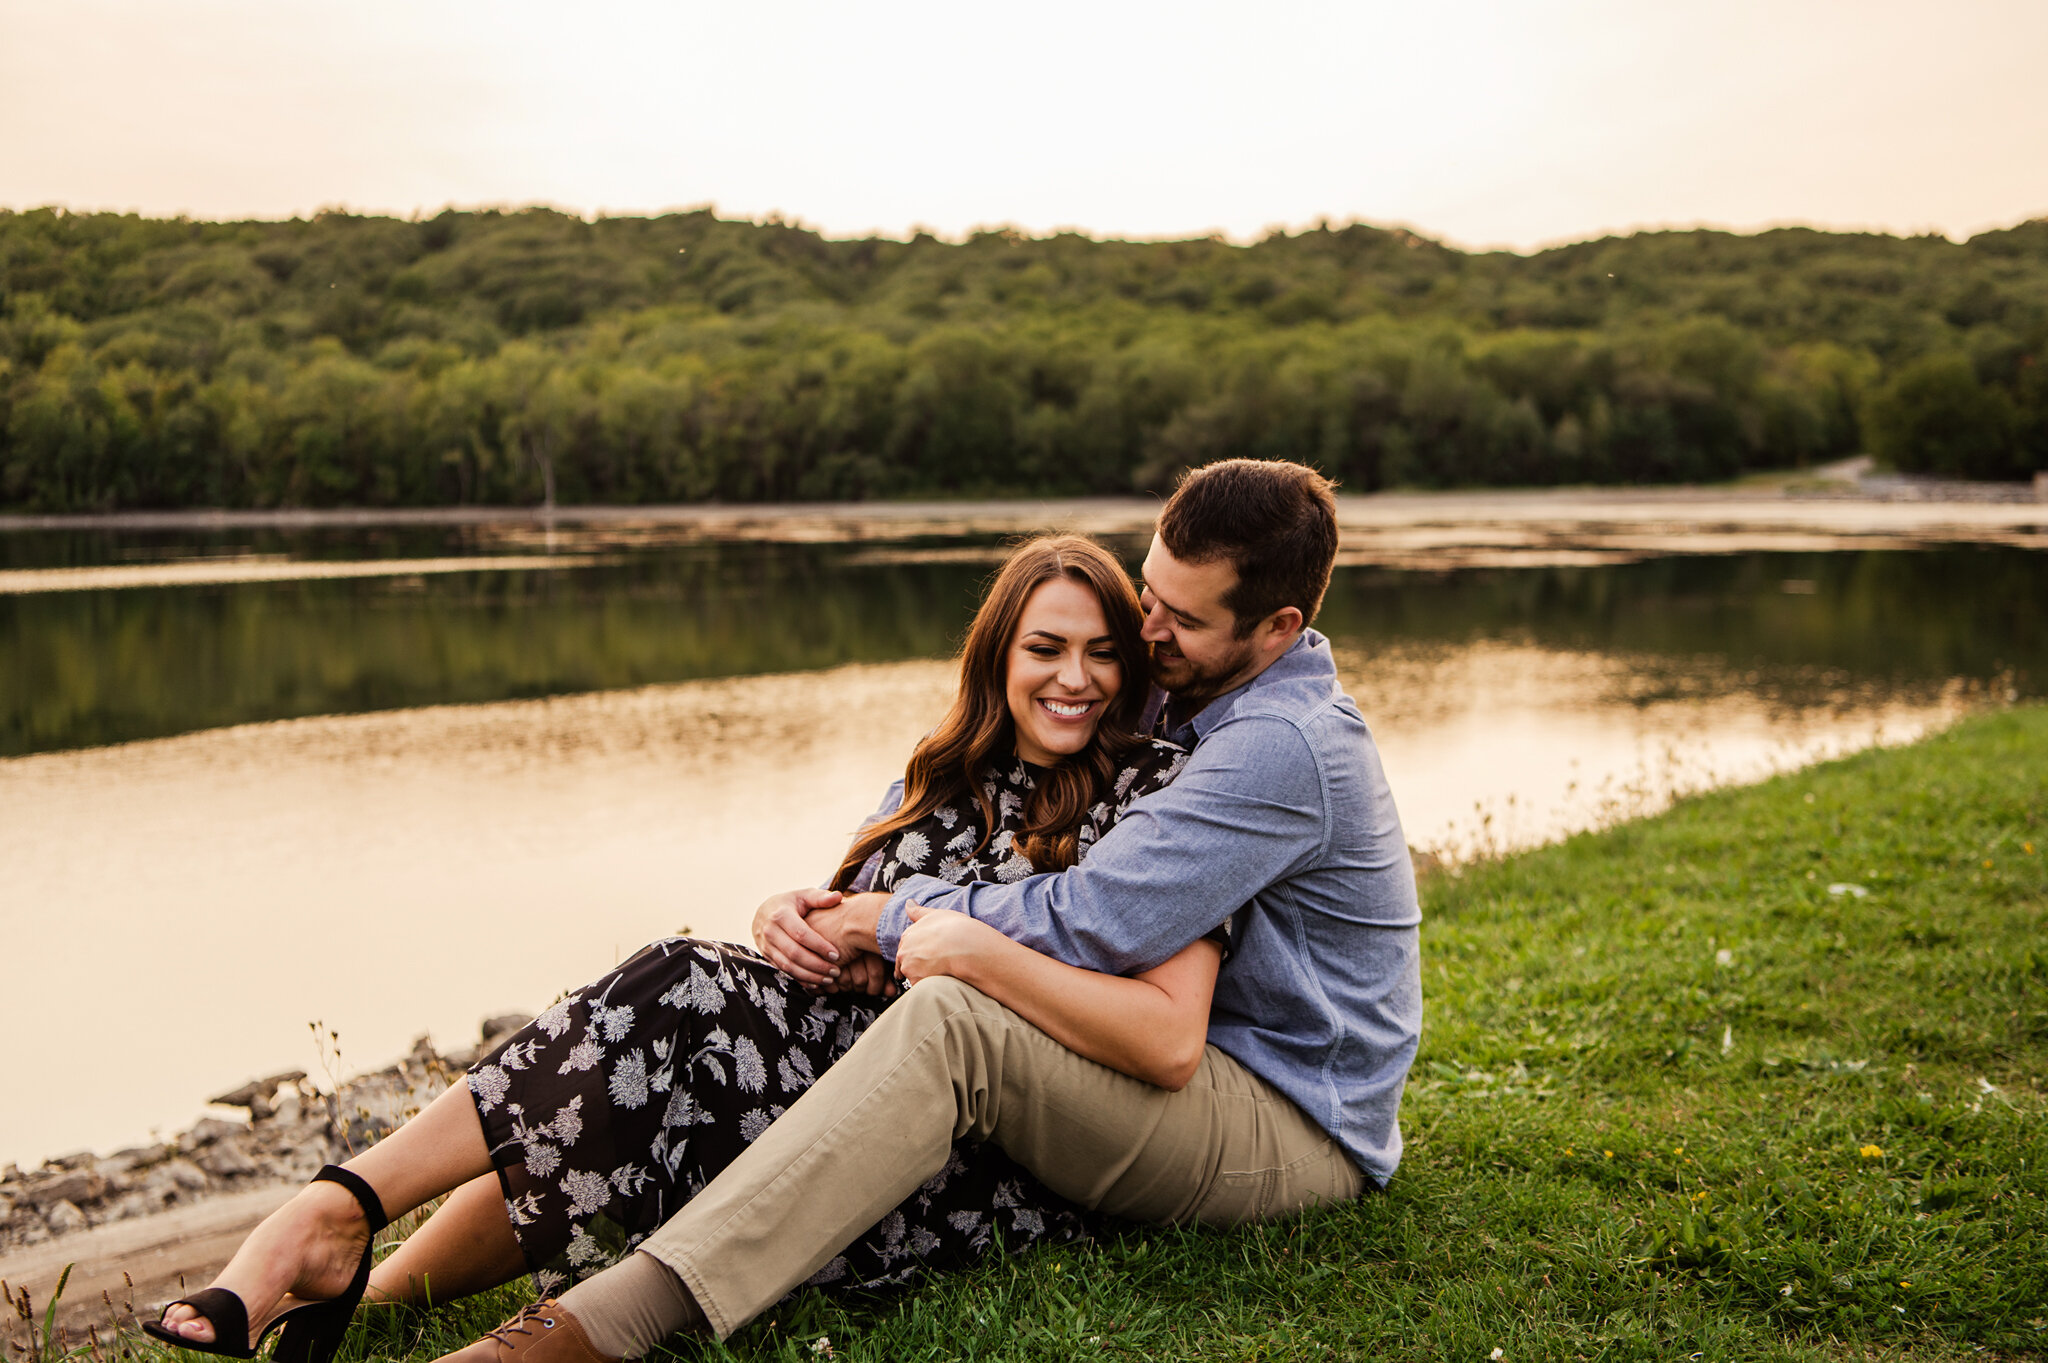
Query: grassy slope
[{"x": 1623, "y": 1144}]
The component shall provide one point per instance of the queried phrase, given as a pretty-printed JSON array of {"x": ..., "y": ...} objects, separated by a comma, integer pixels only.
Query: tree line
[{"x": 515, "y": 357}]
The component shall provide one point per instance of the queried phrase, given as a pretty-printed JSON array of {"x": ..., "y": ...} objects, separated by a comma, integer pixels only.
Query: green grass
[{"x": 1622, "y": 1143}]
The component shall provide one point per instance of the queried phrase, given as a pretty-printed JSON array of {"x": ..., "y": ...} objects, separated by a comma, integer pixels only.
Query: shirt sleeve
[
  {"x": 864, "y": 878},
  {"x": 1246, "y": 812}
]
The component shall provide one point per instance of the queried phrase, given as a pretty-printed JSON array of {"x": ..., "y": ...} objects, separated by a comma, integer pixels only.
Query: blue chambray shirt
[{"x": 1282, "y": 821}]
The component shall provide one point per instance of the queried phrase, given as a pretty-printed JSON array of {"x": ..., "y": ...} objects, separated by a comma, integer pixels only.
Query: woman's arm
[{"x": 1151, "y": 1026}]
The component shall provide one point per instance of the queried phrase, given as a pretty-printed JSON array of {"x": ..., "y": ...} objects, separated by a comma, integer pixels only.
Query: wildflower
[
  {"x": 1987, "y": 863},
  {"x": 1905, "y": 1284},
  {"x": 1872, "y": 1152},
  {"x": 1608, "y": 1153},
  {"x": 1496, "y": 1355}
]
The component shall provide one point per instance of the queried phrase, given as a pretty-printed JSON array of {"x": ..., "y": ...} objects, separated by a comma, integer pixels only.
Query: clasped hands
[{"x": 826, "y": 941}]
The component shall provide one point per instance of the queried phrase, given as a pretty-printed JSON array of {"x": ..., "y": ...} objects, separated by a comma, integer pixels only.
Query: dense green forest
[{"x": 512, "y": 357}]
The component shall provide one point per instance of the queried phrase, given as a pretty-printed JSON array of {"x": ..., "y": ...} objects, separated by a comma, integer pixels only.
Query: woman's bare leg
[
  {"x": 308, "y": 1249},
  {"x": 465, "y": 1247}
]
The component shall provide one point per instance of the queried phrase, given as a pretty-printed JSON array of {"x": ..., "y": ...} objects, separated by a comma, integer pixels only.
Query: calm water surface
[{"x": 488, "y": 786}]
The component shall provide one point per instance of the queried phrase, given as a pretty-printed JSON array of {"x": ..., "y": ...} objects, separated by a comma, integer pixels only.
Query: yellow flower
[
  {"x": 1872, "y": 1152},
  {"x": 1608, "y": 1153}
]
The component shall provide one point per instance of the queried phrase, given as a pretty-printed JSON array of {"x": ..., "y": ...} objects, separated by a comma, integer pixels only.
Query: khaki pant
[{"x": 946, "y": 1061}]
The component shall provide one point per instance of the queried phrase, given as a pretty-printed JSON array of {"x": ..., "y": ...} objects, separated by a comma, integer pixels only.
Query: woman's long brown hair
[{"x": 948, "y": 764}]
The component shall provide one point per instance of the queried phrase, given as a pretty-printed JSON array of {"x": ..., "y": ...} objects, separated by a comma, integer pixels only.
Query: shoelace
[{"x": 518, "y": 1323}]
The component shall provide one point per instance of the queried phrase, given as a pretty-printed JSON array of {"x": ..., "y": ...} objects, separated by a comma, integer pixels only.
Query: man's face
[{"x": 1196, "y": 653}]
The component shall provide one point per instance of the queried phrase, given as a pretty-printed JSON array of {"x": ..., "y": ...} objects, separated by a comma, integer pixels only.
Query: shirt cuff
[{"x": 895, "y": 915}]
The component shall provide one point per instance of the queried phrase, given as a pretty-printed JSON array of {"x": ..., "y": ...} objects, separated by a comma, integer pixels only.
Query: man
[{"x": 1281, "y": 825}]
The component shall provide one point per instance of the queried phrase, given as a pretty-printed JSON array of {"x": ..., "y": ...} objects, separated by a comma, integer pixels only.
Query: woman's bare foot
[{"x": 306, "y": 1250}]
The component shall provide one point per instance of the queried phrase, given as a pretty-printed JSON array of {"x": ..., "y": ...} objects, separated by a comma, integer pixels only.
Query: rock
[
  {"x": 258, "y": 1095},
  {"x": 77, "y": 1159},
  {"x": 497, "y": 1029},
  {"x": 115, "y": 1168},
  {"x": 65, "y": 1218},
  {"x": 83, "y": 1185},
  {"x": 174, "y": 1177},
  {"x": 207, "y": 1131},
  {"x": 226, "y": 1159},
  {"x": 288, "y": 1104}
]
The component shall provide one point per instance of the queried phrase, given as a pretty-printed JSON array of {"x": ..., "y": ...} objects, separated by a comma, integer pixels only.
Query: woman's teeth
[{"x": 1065, "y": 711}]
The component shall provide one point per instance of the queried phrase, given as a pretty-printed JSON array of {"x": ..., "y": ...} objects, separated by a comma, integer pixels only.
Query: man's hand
[
  {"x": 791, "y": 944},
  {"x": 942, "y": 942}
]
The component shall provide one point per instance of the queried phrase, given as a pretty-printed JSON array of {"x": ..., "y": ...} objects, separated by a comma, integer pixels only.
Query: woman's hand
[
  {"x": 943, "y": 942},
  {"x": 792, "y": 945}
]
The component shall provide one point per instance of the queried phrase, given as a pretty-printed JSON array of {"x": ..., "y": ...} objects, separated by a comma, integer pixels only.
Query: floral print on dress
[{"x": 621, "y": 1101}]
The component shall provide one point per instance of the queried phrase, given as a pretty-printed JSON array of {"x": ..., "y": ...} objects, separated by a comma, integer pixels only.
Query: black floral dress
[{"x": 615, "y": 1106}]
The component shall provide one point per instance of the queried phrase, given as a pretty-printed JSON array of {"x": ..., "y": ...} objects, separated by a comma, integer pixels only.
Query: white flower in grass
[
  {"x": 489, "y": 1085},
  {"x": 542, "y": 1159},
  {"x": 748, "y": 1067},
  {"x": 588, "y": 1192},
  {"x": 913, "y": 848},
  {"x": 582, "y": 1056},
  {"x": 629, "y": 1080}
]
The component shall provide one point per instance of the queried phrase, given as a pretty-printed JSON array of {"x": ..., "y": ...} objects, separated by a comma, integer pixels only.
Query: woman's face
[{"x": 1062, "y": 671}]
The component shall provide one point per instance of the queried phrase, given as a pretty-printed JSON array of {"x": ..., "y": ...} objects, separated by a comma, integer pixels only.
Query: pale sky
[{"x": 1485, "y": 122}]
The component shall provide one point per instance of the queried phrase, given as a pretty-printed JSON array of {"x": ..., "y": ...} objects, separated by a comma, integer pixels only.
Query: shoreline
[{"x": 138, "y": 1226}]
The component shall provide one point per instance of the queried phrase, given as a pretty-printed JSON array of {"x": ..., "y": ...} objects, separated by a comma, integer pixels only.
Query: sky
[{"x": 1487, "y": 123}]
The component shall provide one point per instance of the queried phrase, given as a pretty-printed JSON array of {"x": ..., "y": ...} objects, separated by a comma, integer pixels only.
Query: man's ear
[{"x": 1278, "y": 631}]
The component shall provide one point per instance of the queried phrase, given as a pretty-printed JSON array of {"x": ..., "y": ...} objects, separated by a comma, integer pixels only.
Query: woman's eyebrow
[{"x": 1046, "y": 634}]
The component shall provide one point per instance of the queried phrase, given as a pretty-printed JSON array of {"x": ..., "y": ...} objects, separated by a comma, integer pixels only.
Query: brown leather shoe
[{"x": 541, "y": 1333}]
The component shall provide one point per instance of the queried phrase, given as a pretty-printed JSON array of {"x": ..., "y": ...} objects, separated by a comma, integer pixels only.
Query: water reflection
[
  {"x": 82, "y": 667},
  {"x": 665, "y": 736}
]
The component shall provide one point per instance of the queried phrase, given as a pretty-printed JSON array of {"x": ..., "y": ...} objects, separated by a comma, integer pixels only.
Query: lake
[{"x": 397, "y": 777}]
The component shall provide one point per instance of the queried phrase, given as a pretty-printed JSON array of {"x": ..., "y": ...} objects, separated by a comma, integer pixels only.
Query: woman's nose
[{"x": 1073, "y": 676}]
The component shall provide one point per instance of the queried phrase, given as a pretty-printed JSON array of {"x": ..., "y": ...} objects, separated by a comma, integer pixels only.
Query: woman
[{"x": 585, "y": 1131}]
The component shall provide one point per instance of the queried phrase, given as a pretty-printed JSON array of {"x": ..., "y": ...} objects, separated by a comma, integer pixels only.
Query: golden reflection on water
[{"x": 178, "y": 910}]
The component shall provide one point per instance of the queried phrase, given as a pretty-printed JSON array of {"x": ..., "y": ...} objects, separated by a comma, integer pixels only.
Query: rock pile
[{"x": 292, "y": 1130}]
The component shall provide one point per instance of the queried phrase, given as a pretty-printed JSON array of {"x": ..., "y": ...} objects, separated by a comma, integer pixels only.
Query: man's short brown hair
[{"x": 1275, "y": 521}]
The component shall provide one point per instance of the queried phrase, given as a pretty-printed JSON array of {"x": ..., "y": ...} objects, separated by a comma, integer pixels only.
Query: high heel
[{"x": 312, "y": 1332}]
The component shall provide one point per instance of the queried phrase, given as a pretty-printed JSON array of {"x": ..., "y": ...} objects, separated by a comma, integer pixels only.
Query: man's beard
[{"x": 1187, "y": 680}]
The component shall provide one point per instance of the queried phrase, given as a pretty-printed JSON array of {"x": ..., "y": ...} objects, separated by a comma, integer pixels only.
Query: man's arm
[{"x": 1247, "y": 811}]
